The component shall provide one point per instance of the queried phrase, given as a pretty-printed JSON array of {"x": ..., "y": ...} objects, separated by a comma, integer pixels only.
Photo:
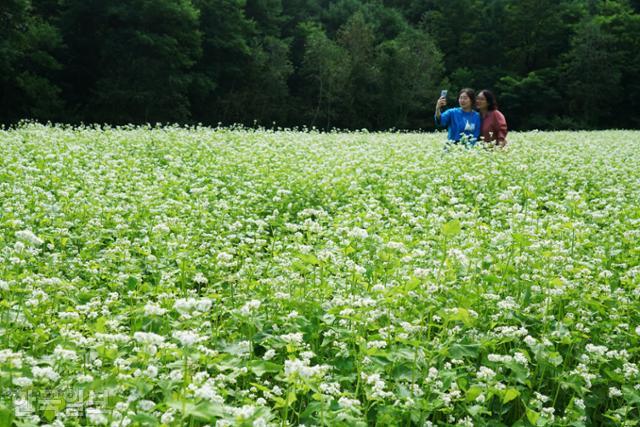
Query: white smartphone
[{"x": 443, "y": 93}]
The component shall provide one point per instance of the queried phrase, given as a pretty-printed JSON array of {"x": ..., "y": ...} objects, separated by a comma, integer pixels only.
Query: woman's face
[
  {"x": 464, "y": 100},
  {"x": 481, "y": 102}
]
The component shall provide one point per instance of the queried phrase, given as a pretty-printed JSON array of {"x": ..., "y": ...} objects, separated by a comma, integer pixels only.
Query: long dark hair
[{"x": 492, "y": 104}]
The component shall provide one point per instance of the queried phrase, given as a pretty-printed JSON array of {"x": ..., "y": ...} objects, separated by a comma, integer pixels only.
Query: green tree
[
  {"x": 343, "y": 63},
  {"x": 130, "y": 61},
  {"x": 148, "y": 50},
  {"x": 621, "y": 22},
  {"x": 245, "y": 62},
  {"x": 226, "y": 54},
  {"x": 326, "y": 69},
  {"x": 470, "y": 35},
  {"x": 592, "y": 80},
  {"x": 357, "y": 38},
  {"x": 28, "y": 64},
  {"x": 532, "y": 101},
  {"x": 411, "y": 70},
  {"x": 336, "y": 14},
  {"x": 537, "y": 32},
  {"x": 267, "y": 92},
  {"x": 454, "y": 26},
  {"x": 264, "y": 96},
  {"x": 83, "y": 27}
]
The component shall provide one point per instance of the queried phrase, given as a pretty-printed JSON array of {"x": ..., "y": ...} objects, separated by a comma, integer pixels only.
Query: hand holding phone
[{"x": 442, "y": 101}]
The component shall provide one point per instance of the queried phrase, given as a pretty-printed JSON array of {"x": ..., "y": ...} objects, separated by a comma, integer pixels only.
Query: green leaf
[
  {"x": 460, "y": 351},
  {"x": 557, "y": 282},
  {"x": 476, "y": 410},
  {"x": 462, "y": 315},
  {"x": 309, "y": 259},
  {"x": 491, "y": 278},
  {"x": 555, "y": 358},
  {"x": 100, "y": 325},
  {"x": 401, "y": 354},
  {"x": 311, "y": 408},
  {"x": 204, "y": 410},
  {"x": 260, "y": 367},
  {"x": 380, "y": 360},
  {"x": 518, "y": 372},
  {"x": 613, "y": 375},
  {"x": 6, "y": 416},
  {"x": 291, "y": 397},
  {"x": 388, "y": 255},
  {"x": 631, "y": 395},
  {"x": 533, "y": 416},
  {"x": 473, "y": 393},
  {"x": 522, "y": 239},
  {"x": 132, "y": 282},
  {"x": 452, "y": 228},
  {"x": 509, "y": 395},
  {"x": 50, "y": 414},
  {"x": 144, "y": 419},
  {"x": 404, "y": 371},
  {"x": 412, "y": 284}
]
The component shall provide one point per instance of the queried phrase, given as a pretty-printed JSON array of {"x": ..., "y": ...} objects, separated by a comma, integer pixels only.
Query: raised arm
[{"x": 439, "y": 104}]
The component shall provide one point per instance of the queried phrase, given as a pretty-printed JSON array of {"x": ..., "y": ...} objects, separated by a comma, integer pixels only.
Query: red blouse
[{"x": 494, "y": 126}]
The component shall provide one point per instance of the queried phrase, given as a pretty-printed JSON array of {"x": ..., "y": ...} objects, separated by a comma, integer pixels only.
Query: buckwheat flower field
[{"x": 223, "y": 277}]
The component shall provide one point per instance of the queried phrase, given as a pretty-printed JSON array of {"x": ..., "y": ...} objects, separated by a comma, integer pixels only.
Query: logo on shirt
[{"x": 470, "y": 127}]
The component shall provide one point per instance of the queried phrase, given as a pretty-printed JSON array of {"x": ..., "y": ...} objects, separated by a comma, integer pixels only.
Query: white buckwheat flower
[
  {"x": 22, "y": 382},
  {"x": 485, "y": 373},
  {"x": 200, "y": 279},
  {"x": 614, "y": 392},
  {"x": 148, "y": 338},
  {"x": 28, "y": 237},
  {"x": 250, "y": 307},
  {"x": 293, "y": 338},
  {"x": 187, "y": 338},
  {"x": 161, "y": 229},
  {"x": 347, "y": 403},
  {"x": 152, "y": 309},
  {"x": 47, "y": 373}
]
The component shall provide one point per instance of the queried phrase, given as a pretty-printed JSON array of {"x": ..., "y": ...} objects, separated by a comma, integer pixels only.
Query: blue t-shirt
[{"x": 461, "y": 123}]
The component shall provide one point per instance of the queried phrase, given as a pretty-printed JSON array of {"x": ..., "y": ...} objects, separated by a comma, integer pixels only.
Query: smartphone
[{"x": 443, "y": 93}]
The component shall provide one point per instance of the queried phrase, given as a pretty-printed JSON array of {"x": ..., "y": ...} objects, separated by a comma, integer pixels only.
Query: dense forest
[{"x": 375, "y": 64}]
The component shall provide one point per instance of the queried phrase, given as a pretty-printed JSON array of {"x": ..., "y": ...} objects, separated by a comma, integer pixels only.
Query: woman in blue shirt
[{"x": 463, "y": 123}]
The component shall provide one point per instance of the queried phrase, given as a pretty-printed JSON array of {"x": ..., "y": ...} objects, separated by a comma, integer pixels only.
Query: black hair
[
  {"x": 470, "y": 93},
  {"x": 492, "y": 104}
]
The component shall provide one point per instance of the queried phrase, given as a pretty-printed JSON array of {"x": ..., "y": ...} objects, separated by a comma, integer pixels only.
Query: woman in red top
[{"x": 494, "y": 125}]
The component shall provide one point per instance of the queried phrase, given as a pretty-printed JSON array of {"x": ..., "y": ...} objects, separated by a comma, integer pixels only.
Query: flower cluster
[{"x": 197, "y": 276}]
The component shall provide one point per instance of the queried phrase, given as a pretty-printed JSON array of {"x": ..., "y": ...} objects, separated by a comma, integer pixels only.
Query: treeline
[{"x": 554, "y": 64}]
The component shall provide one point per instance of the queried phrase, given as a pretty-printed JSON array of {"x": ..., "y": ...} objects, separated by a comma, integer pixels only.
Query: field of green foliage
[{"x": 222, "y": 277}]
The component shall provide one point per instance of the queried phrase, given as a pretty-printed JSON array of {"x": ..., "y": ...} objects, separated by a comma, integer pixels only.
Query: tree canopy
[{"x": 375, "y": 64}]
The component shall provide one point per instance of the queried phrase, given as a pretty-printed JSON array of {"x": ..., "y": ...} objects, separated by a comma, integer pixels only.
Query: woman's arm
[
  {"x": 501, "y": 129},
  {"x": 439, "y": 104}
]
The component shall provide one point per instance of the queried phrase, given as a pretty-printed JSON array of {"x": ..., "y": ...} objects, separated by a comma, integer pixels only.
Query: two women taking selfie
[{"x": 466, "y": 124}]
